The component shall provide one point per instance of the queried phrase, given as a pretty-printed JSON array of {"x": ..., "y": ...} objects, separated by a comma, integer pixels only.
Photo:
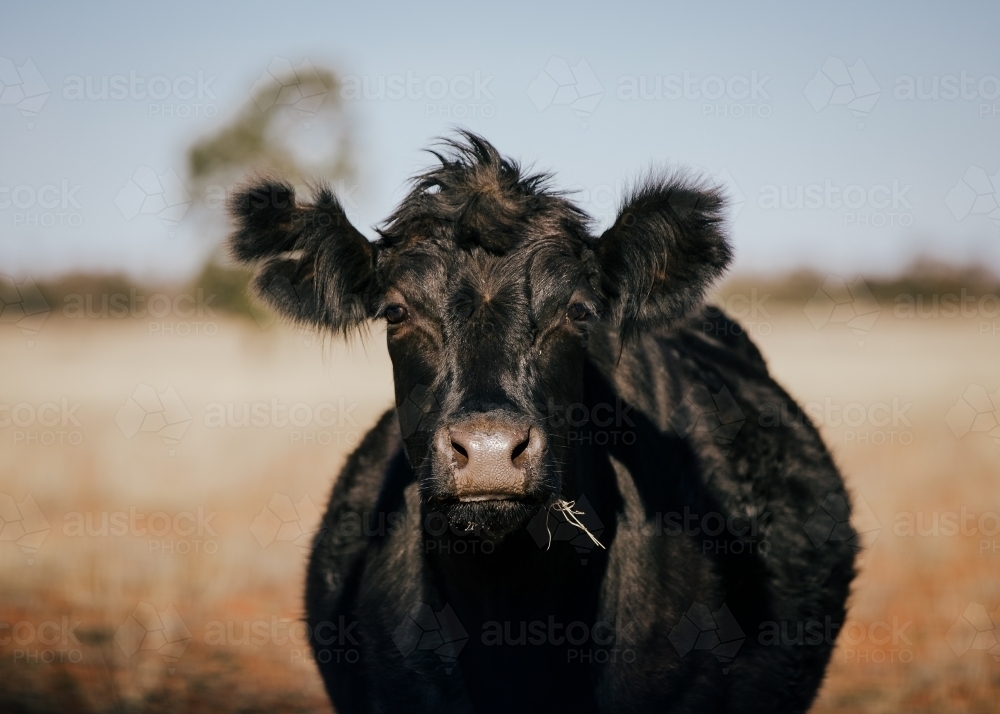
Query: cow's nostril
[
  {"x": 460, "y": 455},
  {"x": 517, "y": 455}
]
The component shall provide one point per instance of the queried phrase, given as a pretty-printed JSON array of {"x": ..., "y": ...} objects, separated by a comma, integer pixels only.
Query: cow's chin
[{"x": 493, "y": 518}]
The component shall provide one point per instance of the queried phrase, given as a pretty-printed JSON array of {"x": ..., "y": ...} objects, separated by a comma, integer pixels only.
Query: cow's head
[{"x": 489, "y": 284}]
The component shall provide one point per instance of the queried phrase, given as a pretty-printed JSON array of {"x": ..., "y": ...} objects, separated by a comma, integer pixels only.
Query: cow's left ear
[
  {"x": 310, "y": 263},
  {"x": 667, "y": 246}
]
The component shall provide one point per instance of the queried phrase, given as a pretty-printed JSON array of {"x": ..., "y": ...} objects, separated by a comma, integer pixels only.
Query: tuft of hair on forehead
[{"x": 477, "y": 197}]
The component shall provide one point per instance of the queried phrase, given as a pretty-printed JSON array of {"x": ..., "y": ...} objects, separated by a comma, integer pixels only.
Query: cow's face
[
  {"x": 485, "y": 345},
  {"x": 489, "y": 285}
]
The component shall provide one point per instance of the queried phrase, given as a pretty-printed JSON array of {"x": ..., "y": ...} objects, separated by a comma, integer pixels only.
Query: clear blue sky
[{"x": 797, "y": 133}]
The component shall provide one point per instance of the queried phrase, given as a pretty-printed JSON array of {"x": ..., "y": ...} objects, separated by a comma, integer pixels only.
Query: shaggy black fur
[{"x": 707, "y": 593}]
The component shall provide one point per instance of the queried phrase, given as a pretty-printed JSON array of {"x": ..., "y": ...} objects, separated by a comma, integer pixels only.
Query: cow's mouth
[
  {"x": 493, "y": 514},
  {"x": 481, "y": 497}
]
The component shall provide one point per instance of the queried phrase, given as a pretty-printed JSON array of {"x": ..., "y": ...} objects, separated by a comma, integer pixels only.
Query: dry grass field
[{"x": 151, "y": 553}]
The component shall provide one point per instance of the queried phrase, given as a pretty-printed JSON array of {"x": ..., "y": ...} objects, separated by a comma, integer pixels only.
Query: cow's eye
[
  {"x": 394, "y": 314},
  {"x": 578, "y": 312}
]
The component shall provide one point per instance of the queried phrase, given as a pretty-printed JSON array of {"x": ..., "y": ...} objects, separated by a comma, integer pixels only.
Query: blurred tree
[{"x": 294, "y": 125}]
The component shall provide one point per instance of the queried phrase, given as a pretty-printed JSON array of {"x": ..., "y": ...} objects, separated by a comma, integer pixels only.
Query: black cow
[{"x": 579, "y": 503}]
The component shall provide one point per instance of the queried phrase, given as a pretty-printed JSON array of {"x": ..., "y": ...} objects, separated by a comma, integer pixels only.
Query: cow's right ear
[{"x": 310, "y": 263}]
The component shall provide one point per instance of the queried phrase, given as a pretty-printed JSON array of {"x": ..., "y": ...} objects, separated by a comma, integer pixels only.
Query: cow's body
[
  {"x": 367, "y": 583},
  {"x": 586, "y": 499}
]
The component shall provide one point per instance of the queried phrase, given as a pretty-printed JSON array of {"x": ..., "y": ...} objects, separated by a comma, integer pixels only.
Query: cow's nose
[{"x": 490, "y": 460}]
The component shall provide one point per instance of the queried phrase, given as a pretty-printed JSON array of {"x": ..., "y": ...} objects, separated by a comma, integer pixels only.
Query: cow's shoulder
[
  {"x": 706, "y": 350},
  {"x": 374, "y": 474},
  {"x": 713, "y": 327},
  {"x": 362, "y": 479}
]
